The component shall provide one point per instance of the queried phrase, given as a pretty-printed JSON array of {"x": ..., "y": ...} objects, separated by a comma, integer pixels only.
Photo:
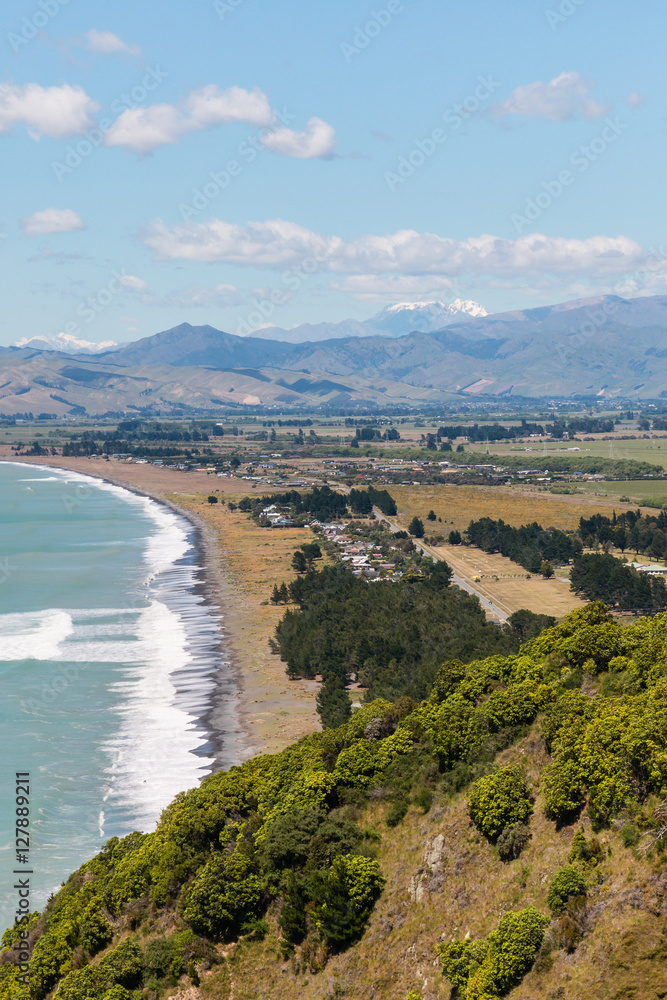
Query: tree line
[
  {"x": 530, "y": 546},
  {"x": 645, "y": 533},
  {"x": 391, "y": 635},
  {"x": 599, "y": 576}
]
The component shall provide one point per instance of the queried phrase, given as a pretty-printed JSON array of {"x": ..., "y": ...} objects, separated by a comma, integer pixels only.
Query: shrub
[
  {"x": 159, "y": 958},
  {"x": 499, "y": 800},
  {"x": 50, "y": 956},
  {"x": 487, "y": 969},
  {"x": 344, "y": 898},
  {"x": 292, "y": 918},
  {"x": 397, "y": 812},
  {"x": 81, "y": 984},
  {"x": 567, "y": 883},
  {"x": 117, "y": 993},
  {"x": 424, "y": 799},
  {"x": 630, "y": 834},
  {"x": 95, "y": 931},
  {"x": 460, "y": 959},
  {"x": 512, "y": 951},
  {"x": 124, "y": 964},
  {"x": 224, "y": 893},
  {"x": 288, "y": 838},
  {"x": 583, "y": 851},
  {"x": 512, "y": 841}
]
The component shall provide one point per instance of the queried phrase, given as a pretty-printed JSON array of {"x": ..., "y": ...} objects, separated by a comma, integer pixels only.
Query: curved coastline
[{"x": 224, "y": 721}]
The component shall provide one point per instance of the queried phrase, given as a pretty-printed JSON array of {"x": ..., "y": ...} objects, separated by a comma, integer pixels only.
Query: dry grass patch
[
  {"x": 277, "y": 710},
  {"x": 459, "y": 505},
  {"x": 506, "y": 583}
]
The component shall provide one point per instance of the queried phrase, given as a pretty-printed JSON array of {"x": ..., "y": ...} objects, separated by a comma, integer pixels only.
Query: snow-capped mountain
[
  {"x": 66, "y": 344},
  {"x": 392, "y": 321},
  {"x": 425, "y": 317}
]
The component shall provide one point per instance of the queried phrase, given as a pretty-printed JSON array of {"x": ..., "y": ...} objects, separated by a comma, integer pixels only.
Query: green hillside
[{"x": 501, "y": 838}]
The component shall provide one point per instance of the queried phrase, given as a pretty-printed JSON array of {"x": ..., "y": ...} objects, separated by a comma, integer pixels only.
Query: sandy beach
[{"x": 242, "y": 562}]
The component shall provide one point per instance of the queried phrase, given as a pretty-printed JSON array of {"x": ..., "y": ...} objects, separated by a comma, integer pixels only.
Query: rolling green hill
[{"x": 504, "y": 838}]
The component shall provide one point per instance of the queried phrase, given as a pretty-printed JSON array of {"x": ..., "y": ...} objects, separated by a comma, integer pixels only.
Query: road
[{"x": 465, "y": 583}]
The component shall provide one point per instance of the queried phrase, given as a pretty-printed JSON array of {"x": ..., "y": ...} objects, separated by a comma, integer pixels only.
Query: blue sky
[{"x": 241, "y": 163}]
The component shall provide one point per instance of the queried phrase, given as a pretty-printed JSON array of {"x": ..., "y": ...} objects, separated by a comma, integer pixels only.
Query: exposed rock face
[{"x": 429, "y": 877}]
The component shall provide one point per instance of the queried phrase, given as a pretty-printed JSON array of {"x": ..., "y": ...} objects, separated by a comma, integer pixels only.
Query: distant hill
[
  {"x": 392, "y": 321},
  {"x": 605, "y": 346},
  {"x": 599, "y": 346}
]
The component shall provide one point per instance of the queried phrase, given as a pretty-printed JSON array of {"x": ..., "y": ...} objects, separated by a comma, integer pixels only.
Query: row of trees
[
  {"x": 530, "y": 546},
  {"x": 363, "y": 501},
  {"x": 391, "y": 635},
  {"x": 645, "y": 533},
  {"x": 602, "y": 577}
]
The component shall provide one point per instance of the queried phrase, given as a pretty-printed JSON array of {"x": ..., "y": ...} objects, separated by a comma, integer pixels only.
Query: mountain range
[
  {"x": 392, "y": 321},
  {"x": 605, "y": 346}
]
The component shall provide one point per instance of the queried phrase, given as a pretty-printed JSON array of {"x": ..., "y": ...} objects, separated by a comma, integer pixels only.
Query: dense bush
[
  {"x": 224, "y": 894},
  {"x": 283, "y": 828},
  {"x": 512, "y": 841},
  {"x": 499, "y": 800},
  {"x": 393, "y": 635},
  {"x": 602, "y": 577},
  {"x": 488, "y": 969},
  {"x": 566, "y": 883}
]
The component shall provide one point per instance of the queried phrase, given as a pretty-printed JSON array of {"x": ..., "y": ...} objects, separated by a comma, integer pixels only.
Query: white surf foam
[
  {"x": 34, "y": 635},
  {"x": 168, "y": 650}
]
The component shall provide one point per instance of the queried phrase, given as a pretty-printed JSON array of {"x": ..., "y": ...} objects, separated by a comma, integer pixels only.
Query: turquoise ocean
[{"x": 110, "y": 666}]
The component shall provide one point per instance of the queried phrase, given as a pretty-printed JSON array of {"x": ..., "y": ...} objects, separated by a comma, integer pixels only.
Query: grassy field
[
  {"x": 458, "y": 505},
  {"x": 253, "y": 559},
  {"x": 652, "y": 450},
  {"x": 638, "y": 490},
  {"x": 507, "y": 584}
]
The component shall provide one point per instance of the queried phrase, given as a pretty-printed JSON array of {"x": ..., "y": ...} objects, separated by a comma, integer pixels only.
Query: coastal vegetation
[
  {"x": 389, "y": 636},
  {"x": 558, "y": 750}
]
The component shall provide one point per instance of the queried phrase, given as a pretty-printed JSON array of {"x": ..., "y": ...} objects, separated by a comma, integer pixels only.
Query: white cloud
[
  {"x": 635, "y": 99},
  {"x": 57, "y": 112},
  {"x": 198, "y": 295},
  {"x": 106, "y": 43},
  {"x": 262, "y": 244},
  {"x": 52, "y": 220},
  {"x": 212, "y": 106},
  {"x": 562, "y": 99},
  {"x": 134, "y": 284},
  {"x": 143, "y": 130},
  {"x": 281, "y": 244},
  {"x": 319, "y": 140}
]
